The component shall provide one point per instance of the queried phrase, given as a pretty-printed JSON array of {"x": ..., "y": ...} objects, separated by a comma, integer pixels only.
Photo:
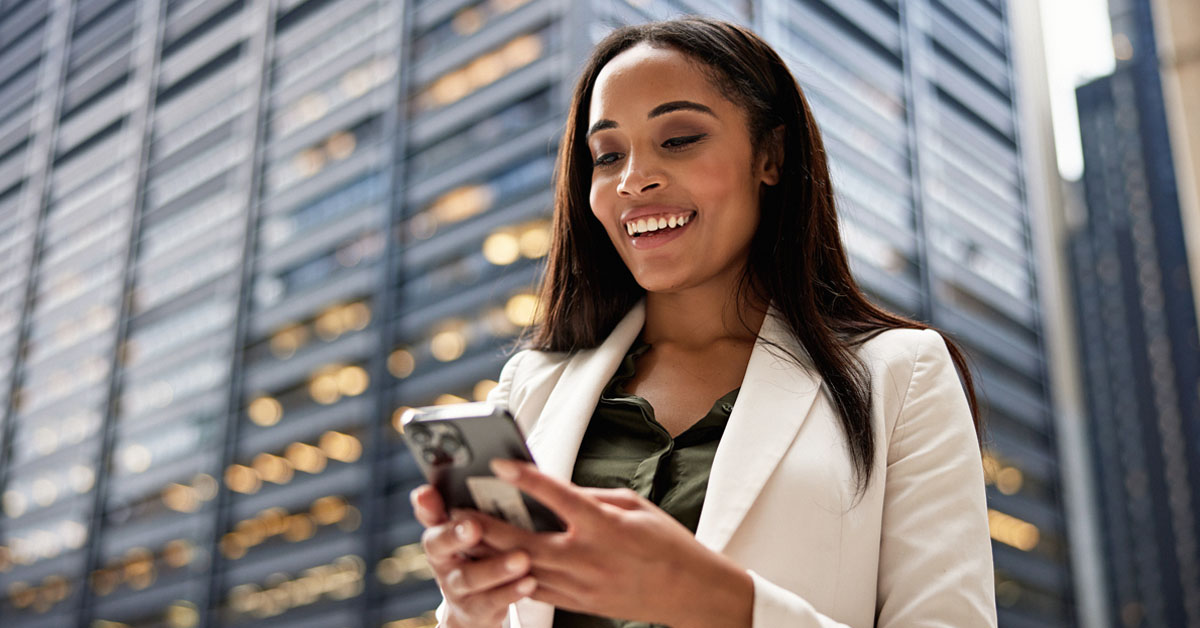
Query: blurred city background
[{"x": 238, "y": 237}]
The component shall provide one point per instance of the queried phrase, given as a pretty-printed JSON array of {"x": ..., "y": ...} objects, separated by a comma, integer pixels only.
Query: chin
[{"x": 660, "y": 282}]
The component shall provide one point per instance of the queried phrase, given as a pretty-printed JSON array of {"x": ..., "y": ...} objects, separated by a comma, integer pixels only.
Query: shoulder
[
  {"x": 526, "y": 381},
  {"x": 529, "y": 366},
  {"x": 910, "y": 369},
  {"x": 902, "y": 350}
]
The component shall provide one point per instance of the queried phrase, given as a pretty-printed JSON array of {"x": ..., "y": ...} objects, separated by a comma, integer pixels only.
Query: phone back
[{"x": 453, "y": 445}]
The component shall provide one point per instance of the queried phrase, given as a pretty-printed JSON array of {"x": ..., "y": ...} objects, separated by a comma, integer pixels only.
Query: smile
[{"x": 648, "y": 224}]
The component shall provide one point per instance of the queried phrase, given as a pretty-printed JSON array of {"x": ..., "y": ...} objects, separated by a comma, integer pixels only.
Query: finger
[
  {"x": 494, "y": 602},
  {"x": 478, "y": 576},
  {"x": 624, "y": 498},
  {"x": 548, "y": 550},
  {"x": 566, "y": 500},
  {"x": 496, "y": 533},
  {"x": 443, "y": 543},
  {"x": 558, "y": 597},
  {"x": 427, "y": 506}
]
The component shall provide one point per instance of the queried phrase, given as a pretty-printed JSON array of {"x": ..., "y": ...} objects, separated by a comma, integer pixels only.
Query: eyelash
[{"x": 673, "y": 144}]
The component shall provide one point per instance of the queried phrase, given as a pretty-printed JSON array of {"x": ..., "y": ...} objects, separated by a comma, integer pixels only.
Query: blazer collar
[{"x": 775, "y": 398}]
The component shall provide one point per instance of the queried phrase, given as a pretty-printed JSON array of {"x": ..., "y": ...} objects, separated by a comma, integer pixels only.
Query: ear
[{"x": 770, "y": 157}]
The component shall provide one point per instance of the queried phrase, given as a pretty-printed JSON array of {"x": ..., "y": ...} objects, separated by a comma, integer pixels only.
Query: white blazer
[{"x": 913, "y": 551}]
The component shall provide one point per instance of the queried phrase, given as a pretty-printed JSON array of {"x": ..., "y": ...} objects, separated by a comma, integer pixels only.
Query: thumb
[{"x": 427, "y": 505}]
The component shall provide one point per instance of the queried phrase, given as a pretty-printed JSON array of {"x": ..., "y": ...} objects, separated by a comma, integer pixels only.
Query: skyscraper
[
  {"x": 1177, "y": 41},
  {"x": 1137, "y": 324},
  {"x": 237, "y": 237}
]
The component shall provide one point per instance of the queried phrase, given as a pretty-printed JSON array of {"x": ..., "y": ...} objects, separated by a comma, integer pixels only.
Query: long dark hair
[{"x": 796, "y": 262}]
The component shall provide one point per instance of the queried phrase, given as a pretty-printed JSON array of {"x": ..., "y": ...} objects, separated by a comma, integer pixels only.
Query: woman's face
[{"x": 675, "y": 180}]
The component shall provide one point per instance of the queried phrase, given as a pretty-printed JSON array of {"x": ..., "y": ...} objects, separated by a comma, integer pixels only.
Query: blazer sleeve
[{"x": 935, "y": 555}]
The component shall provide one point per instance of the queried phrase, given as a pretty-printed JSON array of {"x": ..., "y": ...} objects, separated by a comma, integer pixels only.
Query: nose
[{"x": 640, "y": 176}]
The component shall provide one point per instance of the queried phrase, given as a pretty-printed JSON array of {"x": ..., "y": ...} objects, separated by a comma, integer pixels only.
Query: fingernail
[
  {"x": 463, "y": 530},
  {"x": 505, "y": 469},
  {"x": 526, "y": 586},
  {"x": 515, "y": 563}
]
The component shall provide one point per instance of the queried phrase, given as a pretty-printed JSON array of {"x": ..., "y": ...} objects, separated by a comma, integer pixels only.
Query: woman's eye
[
  {"x": 684, "y": 140},
  {"x": 606, "y": 159}
]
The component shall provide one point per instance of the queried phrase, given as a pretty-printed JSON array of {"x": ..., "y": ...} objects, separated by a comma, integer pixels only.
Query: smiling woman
[
  {"x": 731, "y": 432},
  {"x": 662, "y": 141}
]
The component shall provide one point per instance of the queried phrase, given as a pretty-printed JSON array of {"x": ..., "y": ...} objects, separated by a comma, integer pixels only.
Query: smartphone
[{"x": 453, "y": 445}]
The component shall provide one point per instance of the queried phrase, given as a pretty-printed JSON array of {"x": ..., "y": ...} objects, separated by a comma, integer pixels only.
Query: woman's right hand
[{"x": 478, "y": 584}]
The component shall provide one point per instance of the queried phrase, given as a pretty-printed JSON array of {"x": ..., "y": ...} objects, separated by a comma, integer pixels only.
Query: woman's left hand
[{"x": 620, "y": 556}]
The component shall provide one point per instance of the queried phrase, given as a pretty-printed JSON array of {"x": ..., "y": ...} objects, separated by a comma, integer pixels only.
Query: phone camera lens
[
  {"x": 450, "y": 444},
  {"x": 431, "y": 455}
]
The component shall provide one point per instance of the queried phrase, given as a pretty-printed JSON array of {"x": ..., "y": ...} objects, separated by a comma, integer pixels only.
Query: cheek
[
  {"x": 726, "y": 189},
  {"x": 594, "y": 200},
  {"x": 601, "y": 198},
  {"x": 597, "y": 206},
  {"x": 601, "y": 205}
]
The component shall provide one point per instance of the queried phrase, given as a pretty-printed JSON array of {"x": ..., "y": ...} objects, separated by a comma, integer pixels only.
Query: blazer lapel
[
  {"x": 555, "y": 438},
  {"x": 774, "y": 400}
]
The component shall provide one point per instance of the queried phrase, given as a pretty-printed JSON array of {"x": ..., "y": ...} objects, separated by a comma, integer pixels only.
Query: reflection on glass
[
  {"x": 335, "y": 40},
  {"x": 522, "y": 309},
  {"x": 265, "y": 411},
  {"x": 1012, "y": 530},
  {"x": 270, "y": 290},
  {"x": 482, "y": 71},
  {"x": 279, "y": 229},
  {"x": 310, "y": 160},
  {"x": 449, "y": 342},
  {"x": 340, "y": 580},
  {"x": 401, "y": 363},
  {"x": 405, "y": 562},
  {"x": 156, "y": 391},
  {"x": 464, "y": 23},
  {"x": 483, "y": 388},
  {"x": 186, "y": 326},
  {"x": 41, "y": 597},
  {"x": 45, "y": 539},
  {"x": 506, "y": 123},
  {"x": 276, "y": 523},
  {"x": 472, "y": 199}
]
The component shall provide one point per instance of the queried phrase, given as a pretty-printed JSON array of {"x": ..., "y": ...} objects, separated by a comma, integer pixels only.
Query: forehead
[{"x": 644, "y": 76}]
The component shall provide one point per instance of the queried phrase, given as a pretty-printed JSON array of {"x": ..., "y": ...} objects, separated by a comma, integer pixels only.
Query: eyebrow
[{"x": 663, "y": 109}]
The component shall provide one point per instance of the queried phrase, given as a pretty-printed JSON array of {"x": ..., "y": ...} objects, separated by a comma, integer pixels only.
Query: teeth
[{"x": 646, "y": 225}]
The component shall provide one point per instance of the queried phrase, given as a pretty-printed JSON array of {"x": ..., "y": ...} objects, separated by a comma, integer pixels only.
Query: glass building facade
[
  {"x": 1139, "y": 337},
  {"x": 238, "y": 237}
]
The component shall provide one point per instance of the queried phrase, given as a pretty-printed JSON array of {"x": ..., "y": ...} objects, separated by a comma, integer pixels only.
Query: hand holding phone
[
  {"x": 478, "y": 587},
  {"x": 453, "y": 445}
]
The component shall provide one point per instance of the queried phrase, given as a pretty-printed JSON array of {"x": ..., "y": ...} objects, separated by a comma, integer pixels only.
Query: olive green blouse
[{"x": 624, "y": 446}]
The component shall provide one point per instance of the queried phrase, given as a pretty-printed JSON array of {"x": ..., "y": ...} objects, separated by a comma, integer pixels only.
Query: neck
[{"x": 698, "y": 317}]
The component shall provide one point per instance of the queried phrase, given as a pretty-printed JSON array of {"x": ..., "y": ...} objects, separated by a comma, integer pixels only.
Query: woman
[{"x": 751, "y": 442}]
